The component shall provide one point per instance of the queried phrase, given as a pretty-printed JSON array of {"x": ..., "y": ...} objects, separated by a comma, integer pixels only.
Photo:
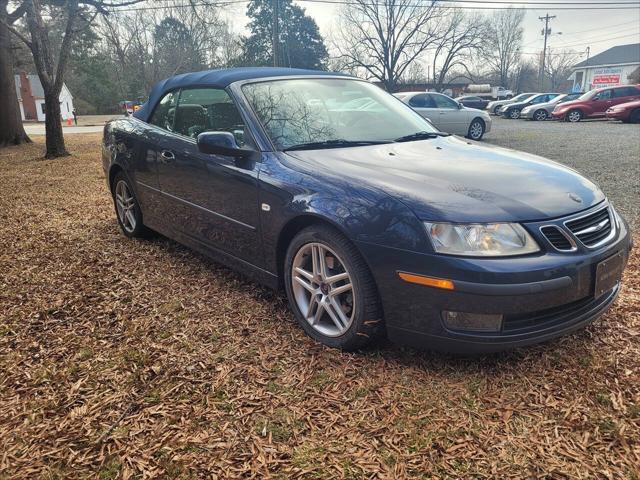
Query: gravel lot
[
  {"x": 606, "y": 152},
  {"x": 142, "y": 359}
]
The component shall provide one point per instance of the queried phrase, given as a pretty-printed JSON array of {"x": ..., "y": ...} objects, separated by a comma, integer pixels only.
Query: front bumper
[
  {"x": 540, "y": 296},
  {"x": 527, "y": 114},
  {"x": 617, "y": 115},
  {"x": 559, "y": 115}
]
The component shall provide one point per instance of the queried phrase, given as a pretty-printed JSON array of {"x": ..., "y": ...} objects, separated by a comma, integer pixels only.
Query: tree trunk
[
  {"x": 11, "y": 129},
  {"x": 53, "y": 126}
]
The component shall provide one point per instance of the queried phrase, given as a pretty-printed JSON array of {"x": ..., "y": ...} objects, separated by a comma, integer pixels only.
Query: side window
[
  {"x": 603, "y": 95},
  {"x": 444, "y": 102},
  {"x": 625, "y": 92},
  {"x": 539, "y": 99},
  {"x": 164, "y": 114},
  {"x": 208, "y": 110},
  {"x": 420, "y": 101}
]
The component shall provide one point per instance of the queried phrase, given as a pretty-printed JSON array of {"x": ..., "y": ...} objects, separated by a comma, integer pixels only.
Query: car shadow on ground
[{"x": 385, "y": 350}]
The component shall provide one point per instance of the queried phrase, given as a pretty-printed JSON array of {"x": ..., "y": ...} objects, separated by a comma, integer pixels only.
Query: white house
[
  {"x": 616, "y": 66},
  {"x": 31, "y": 98}
]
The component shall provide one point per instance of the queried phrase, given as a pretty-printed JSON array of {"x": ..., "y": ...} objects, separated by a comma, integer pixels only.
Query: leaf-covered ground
[{"x": 138, "y": 359}]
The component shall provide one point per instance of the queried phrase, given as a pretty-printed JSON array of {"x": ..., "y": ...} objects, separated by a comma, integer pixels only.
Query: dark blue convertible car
[{"x": 372, "y": 221}]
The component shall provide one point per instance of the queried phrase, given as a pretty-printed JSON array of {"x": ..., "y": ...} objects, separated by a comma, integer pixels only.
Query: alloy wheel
[
  {"x": 574, "y": 116},
  {"x": 540, "y": 115},
  {"x": 514, "y": 114},
  {"x": 323, "y": 289},
  {"x": 476, "y": 130},
  {"x": 125, "y": 205}
]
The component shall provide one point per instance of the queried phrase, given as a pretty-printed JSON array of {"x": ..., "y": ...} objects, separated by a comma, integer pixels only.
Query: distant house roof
[
  {"x": 36, "y": 86},
  {"x": 614, "y": 56}
]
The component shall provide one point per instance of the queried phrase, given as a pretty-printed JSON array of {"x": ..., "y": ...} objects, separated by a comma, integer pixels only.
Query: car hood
[
  {"x": 450, "y": 179},
  {"x": 570, "y": 103}
]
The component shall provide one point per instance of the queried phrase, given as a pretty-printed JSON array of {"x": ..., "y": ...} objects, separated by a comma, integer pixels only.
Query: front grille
[
  {"x": 593, "y": 228},
  {"x": 557, "y": 238}
]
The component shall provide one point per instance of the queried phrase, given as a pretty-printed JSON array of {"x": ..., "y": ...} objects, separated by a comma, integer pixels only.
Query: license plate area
[{"x": 608, "y": 273}]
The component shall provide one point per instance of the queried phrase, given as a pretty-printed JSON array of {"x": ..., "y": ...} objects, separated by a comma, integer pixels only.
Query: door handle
[{"x": 167, "y": 156}]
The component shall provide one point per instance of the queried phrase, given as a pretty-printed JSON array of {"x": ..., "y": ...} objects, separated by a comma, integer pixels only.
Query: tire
[
  {"x": 359, "y": 321},
  {"x": 574, "y": 116},
  {"x": 127, "y": 207},
  {"x": 476, "y": 129},
  {"x": 540, "y": 115},
  {"x": 513, "y": 114},
  {"x": 495, "y": 109},
  {"x": 634, "y": 117}
]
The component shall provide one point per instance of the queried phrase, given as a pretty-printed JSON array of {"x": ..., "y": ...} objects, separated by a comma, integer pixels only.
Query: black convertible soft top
[{"x": 216, "y": 79}]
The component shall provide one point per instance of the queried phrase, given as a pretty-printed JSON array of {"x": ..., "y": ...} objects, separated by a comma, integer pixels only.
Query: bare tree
[
  {"x": 78, "y": 14},
  {"x": 384, "y": 38},
  {"x": 504, "y": 40},
  {"x": 559, "y": 65},
  {"x": 11, "y": 129},
  {"x": 462, "y": 36}
]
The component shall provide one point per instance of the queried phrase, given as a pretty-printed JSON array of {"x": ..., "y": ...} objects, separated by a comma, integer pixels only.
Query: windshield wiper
[
  {"x": 421, "y": 136},
  {"x": 337, "y": 143}
]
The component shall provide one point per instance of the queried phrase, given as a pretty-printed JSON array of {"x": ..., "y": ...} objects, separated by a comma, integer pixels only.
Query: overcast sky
[{"x": 598, "y": 29}]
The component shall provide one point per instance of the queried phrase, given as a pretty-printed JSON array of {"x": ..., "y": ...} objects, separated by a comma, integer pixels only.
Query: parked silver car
[
  {"x": 493, "y": 107},
  {"x": 542, "y": 111},
  {"x": 447, "y": 115}
]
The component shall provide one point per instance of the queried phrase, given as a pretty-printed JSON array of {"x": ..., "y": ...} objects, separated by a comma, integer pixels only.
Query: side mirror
[
  {"x": 460, "y": 106},
  {"x": 221, "y": 143}
]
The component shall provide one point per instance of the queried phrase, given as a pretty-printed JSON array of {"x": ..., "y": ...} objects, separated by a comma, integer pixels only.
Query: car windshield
[
  {"x": 520, "y": 97},
  {"x": 330, "y": 113},
  {"x": 588, "y": 95}
]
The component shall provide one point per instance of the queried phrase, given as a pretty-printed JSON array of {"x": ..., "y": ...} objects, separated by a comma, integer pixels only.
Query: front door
[
  {"x": 600, "y": 103},
  {"x": 452, "y": 118},
  {"x": 210, "y": 198}
]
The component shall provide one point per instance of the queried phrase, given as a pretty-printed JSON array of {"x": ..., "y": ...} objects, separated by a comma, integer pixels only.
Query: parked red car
[
  {"x": 627, "y": 112},
  {"x": 595, "y": 103}
]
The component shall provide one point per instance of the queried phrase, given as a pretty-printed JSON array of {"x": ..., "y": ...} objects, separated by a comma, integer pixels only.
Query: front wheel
[
  {"x": 540, "y": 115},
  {"x": 476, "y": 129},
  {"x": 495, "y": 109},
  {"x": 574, "y": 116},
  {"x": 331, "y": 290},
  {"x": 514, "y": 114}
]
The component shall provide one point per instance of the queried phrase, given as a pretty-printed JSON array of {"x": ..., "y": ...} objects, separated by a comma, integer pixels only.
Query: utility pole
[
  {"x": 546, "y": 33},
  {"x": 275, "y": 41}
]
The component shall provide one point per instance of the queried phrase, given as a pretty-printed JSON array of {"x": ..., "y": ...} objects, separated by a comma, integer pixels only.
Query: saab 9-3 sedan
[{"x": 372, "y": 221}]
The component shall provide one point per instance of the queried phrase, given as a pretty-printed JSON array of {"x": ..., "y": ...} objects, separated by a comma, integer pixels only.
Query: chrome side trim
[
  {"x": 219, "y": 215},
  {"x": 571, "y": 241}
]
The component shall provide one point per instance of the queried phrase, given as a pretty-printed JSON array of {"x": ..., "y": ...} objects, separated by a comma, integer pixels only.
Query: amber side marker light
[{"x": 428, "y": 281}]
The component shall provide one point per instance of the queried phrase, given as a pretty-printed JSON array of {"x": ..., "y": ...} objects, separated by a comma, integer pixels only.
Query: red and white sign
[{"x": 606, "y": 79}]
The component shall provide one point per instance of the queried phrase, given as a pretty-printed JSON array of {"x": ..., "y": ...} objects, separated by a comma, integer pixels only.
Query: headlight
[{"x": 481, "y": 239}]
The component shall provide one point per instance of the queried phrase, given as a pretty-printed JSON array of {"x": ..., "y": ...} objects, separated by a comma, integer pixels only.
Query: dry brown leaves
[{"x": 140, "y": 359}]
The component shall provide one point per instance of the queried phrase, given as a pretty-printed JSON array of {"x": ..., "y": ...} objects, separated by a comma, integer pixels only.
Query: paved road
[{"x": 38, "y": 129}]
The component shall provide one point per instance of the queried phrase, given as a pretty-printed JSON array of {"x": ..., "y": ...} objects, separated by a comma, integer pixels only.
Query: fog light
[{"x": 479, "y": 322}]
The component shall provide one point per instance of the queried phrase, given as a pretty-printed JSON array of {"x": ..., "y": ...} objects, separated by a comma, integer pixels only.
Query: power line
[{"x": 466, "y": 5}]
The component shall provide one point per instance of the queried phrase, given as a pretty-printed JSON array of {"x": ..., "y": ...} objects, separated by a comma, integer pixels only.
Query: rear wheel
[
  {"x": 574, "y": 116},
  {"x": 127, "y": 208},
  {"x": 476, "y": 129},
  {"x": 540, "y": 115},
  {"x": 331, "y": 290},
  {"x": 635, "y": 116}
]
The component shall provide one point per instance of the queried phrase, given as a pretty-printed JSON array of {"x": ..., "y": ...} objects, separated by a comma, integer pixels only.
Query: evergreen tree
[{"x": 300, "y": 44}]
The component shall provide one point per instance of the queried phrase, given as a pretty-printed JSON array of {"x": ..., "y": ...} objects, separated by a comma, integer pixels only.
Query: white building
[
  {"x": 31, "y": 98},
  {"x": 616, "y": 66}
]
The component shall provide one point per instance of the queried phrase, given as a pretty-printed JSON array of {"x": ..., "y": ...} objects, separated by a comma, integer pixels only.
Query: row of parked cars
[{"x": 619, "y": 103}]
